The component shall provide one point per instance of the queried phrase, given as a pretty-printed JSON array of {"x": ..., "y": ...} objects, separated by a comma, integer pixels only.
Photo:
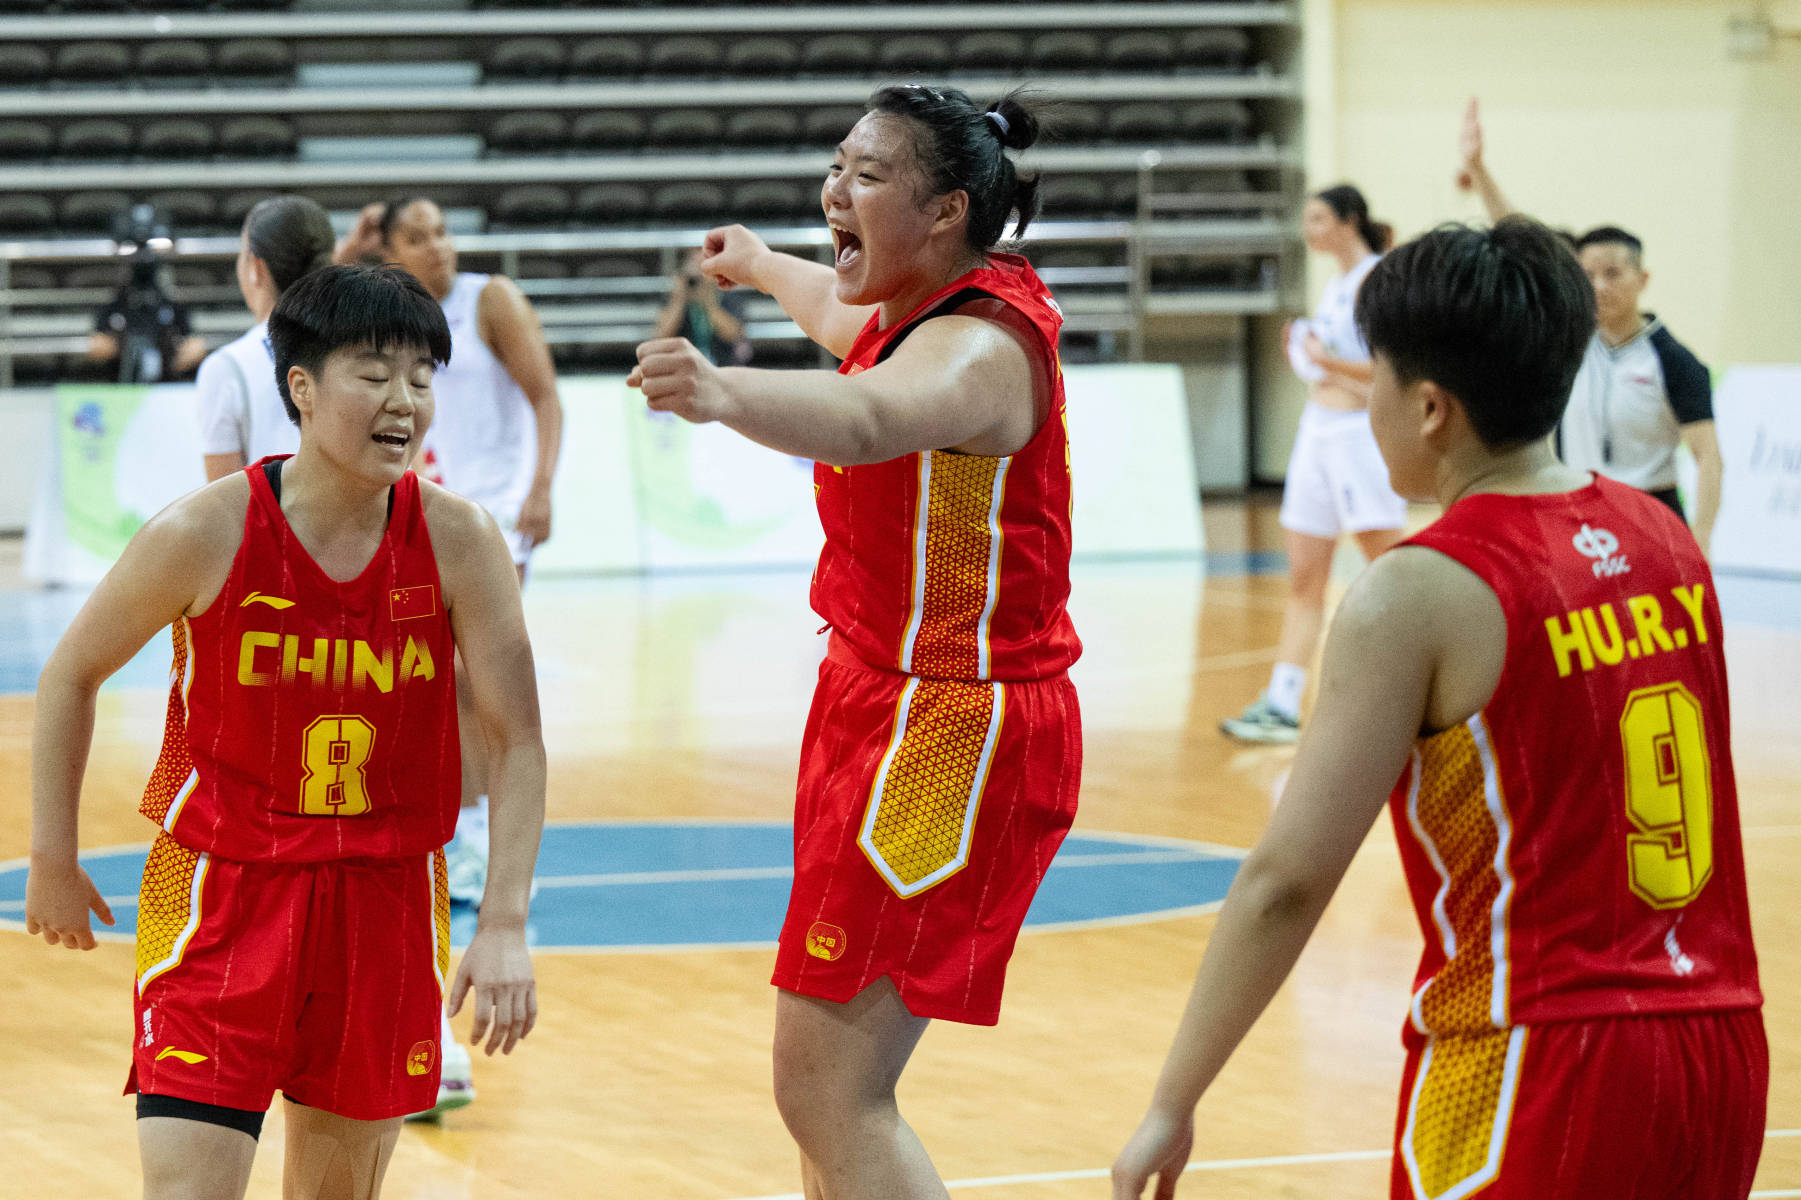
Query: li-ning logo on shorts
[
  {"x": 825, "y": 941},
  {"x": 1600, "y": 545},
  {"x": 419, "y": 1059},
  {"x": 186, "y": 1056}
]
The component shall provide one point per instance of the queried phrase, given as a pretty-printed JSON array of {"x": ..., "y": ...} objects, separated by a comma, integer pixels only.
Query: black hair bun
[{"x": 1021, "y": 123}]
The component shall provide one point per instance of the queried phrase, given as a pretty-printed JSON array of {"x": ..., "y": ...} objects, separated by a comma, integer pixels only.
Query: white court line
[{"x": 1226, "y": 1164}]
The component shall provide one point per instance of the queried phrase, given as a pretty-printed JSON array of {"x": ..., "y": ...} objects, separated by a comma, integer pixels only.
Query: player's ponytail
[
  {"x": 962, "y": 147},
  {"x": 293, "y": 237},
  {"x": 1348, "y": 204}
]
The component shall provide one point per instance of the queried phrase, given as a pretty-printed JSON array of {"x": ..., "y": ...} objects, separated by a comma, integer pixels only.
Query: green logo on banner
[{"x": 91, "y": 422}]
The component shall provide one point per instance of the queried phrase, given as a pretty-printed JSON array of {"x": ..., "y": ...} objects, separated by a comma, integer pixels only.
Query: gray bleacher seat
[
  {"x": 838, "y": 54},
  {"x": 237, "y": 205},
  {"x": 23, "y": 62},
  {"x": 771, "y": 197},
  {"x": 25, "y": 214},
  {"x": 1215, "y": 120},
  {"x": 91, "y": 212},
  {"x": 25, "y": 140},
  {"x": 531, "y": 204},
  {"x": 762, "y": 56},
  {"x": 189, "y": 275},
  {"x": 914, "y": 53},
  {"x": 93, "y": 275},
  {"x": 541, "y": 266},
  {"x": 93, "y": 62},
  {"x": 174, "y": 59},
  {"x": 186, "y": 209},
  {"x": 254, "y": 5},
  {"x": 689, "y": 200},
  {"x": 254, "y": 57},
  {"x": 1152, "y": 122},
  {"x": 529, "y": 132},
  {"x": 180, "y": 138},
  {"x": 525, "y": 58},
  {"x": 1074, "y": 123},
  {"x": 97, "y": 6},
  {"x": 990, "y": 50},
  {"x": 762, "y": 127},
  {"x": 603, "y": 203},
  {"x": 612, "y": 267},
  {"x": 1141, "y": 50},
  {"x": 26, "y": 278},
  {"x": 1223, "y": 49},
  {"x": 1063, "y": 194},
  {"x": 685, "y": 56},
  {"x": 607, "y": 58},
  {"x": 97, "y": 138},
  {"x": 607, "y": 129},
  {"x": 256, "y": 137},
  {"x": 827, "y": 126},
  {"x": 1063, "y": 258},
  {"x": 1065, "y": 50},
  {"x": 688, "y": 127}
]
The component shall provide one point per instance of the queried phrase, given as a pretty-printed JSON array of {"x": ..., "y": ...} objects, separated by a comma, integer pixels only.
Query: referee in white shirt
[{"x": 1640, "y": 392}]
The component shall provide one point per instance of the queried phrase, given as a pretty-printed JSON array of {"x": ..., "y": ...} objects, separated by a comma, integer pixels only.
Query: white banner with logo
[
  {"x": 635, "y": 490},
  {"x": 1757, "y": 413}
]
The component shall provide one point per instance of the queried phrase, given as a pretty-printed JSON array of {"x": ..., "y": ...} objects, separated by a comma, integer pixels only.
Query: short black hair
[
  {"x": 961, "y": 147},
  {"x": 335, "y": 307},
  {"x": 1498, "y": 317},
  {"x": 1612, "y": 235}
]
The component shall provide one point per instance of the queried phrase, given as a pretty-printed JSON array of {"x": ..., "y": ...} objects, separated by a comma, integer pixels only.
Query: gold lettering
[
  {"x": 253, "y": 641},
  {"x": 1574, "y": 641},
  {"x": 1647, "y": 615},
  {"x": 415, "y": 661},
  {"x": 1690, "y": 599},
  {"x": 370, "y": 669},
  {"x": 316, "y": 666},
  {"x": 1612, "y": 648}
]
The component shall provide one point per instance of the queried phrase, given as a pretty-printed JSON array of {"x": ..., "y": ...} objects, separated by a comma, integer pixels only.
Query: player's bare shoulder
[
  {"x": 196, "y": 538},
  {"x": 463, "y": 535}
]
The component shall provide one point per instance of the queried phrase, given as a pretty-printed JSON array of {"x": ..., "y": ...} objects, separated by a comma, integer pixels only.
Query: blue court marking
[{"x": 666, "y": 886}]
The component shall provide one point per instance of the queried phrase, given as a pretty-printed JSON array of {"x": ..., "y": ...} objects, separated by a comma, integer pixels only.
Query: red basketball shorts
[
  {"x": 927, "y": 814},
  {"x": 1667, "y": 1107},
  {"x": 320, "y": 980}
]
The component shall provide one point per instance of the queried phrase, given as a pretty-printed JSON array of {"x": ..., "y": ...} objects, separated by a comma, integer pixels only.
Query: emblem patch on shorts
[
  {"x": 420, "y": 1058},
  {"x": 825, "y": 941}
]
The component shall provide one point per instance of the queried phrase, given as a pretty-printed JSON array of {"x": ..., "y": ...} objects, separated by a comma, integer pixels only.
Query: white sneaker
[
  {"x": 456, "y": 1086},
  {"x": 467, "y": 867}
]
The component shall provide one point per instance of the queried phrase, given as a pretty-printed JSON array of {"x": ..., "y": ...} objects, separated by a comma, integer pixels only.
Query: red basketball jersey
[
  {"x": 955, "y": 566},
  {"x": 310, "y": 719},
  {"x": 1573, "y": 849}
]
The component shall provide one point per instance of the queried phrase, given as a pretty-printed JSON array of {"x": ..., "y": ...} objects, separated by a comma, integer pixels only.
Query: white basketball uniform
[
  {"x": 483, "y": 443},
  {"x": 240, "y": 407},
  {"x": 1337, "y": 482}
]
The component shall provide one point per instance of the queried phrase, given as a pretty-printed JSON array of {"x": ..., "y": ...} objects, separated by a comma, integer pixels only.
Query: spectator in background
[
  {"x": 144, "y": 330},
  {"x": 709, "y": 318},
  {"x": 242, "y": 419},
  {"x": 1640, "y": 392}
]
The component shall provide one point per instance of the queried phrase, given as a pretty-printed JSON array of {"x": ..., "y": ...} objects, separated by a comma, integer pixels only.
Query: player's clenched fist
[
  {"x": 677, "y": 378},
  {"x": 729, "y": 254}
]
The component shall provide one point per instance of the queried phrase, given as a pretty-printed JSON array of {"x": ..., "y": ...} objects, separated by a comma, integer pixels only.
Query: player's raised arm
[
  {"x": 1380, "y": 679},
  {"x": 172, "y": 567},
  {"x": 959, "y": 381},
  {"x": 488, "y": 622},
  {"x": 807, "y": 291}
]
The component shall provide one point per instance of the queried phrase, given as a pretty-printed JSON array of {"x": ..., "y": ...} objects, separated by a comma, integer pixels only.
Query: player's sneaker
[
  {"x": 467, "y": 868},
  {"x": 456, "y": 1086},
  {"x": 1260, "y": 722}
]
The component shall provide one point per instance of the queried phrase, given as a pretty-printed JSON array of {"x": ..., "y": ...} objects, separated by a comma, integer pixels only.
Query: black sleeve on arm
[{"x": 1685, "y": 379}]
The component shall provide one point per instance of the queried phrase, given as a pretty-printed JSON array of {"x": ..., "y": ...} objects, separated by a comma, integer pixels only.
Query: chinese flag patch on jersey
[{"x": 404, "y": 604}]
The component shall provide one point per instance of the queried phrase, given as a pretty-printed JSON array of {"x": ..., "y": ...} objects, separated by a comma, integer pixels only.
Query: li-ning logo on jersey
[{"x": 1600, "y": 545}]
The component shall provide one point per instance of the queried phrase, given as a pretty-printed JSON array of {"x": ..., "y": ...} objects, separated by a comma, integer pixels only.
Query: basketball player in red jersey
[
  {"x": 1542, "y": 671},
  {"x": 293, "y": 923},
  {"x": 939, "y": 768}
]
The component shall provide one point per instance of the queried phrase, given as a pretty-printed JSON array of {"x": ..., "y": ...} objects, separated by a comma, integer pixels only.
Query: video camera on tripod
[{"x": 145, "y": 320}]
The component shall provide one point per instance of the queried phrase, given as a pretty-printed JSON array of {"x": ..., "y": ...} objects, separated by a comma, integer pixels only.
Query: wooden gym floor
[{"x": 649, "y": 1075}]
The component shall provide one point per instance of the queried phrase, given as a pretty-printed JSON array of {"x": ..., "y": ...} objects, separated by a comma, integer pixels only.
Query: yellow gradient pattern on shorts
[
  {"x": 957, "y": 565},
  {"x": 1452, "y": 810},
  {"x": 1462, "y": 1099},
  {"x": 928, "y": 792},
  {"x": 441, "y": 916},
  {"x": 175, "y": 763},
  {"x": 165, "y": 901}
]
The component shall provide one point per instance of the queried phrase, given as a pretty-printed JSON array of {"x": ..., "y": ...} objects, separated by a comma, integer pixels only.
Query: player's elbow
[{"x": 1280, "y": 890}]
